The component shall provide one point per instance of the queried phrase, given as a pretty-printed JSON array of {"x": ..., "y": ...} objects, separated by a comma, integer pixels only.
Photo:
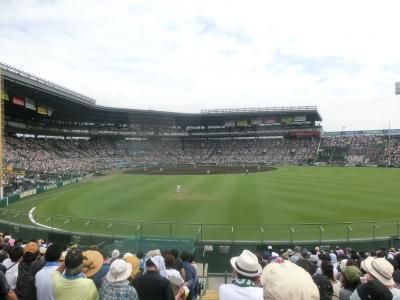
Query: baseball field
[{"x": 272, "y": 204}]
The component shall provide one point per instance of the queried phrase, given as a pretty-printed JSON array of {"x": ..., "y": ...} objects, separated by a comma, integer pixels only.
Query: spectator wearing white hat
[
  {"x": 116, "y": 284},
  {"x": 378, "y": 269},
  {"x": 246, "y": 275},
  {"x": 287, "y": 281}
]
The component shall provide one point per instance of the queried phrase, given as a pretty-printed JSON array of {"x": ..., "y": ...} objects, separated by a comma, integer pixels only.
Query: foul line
[{"x": 32, "y": 219}]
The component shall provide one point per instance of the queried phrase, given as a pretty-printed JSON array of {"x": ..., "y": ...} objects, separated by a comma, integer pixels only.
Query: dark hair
[
  {"x": 30, "y": 257},
  {"x": 3, "y": 255},
  {"x": 175, "y": 253},
  {"x": 185, "y": 256},
  {"x": 327, "y": 270},
  {"x": 53, "y": 253},
  {"x": 140, "y": 254},
  {"x": 169, "y": 261},
  {"x": 16, "y": 253},
  {"x": 306, "y": 265}
]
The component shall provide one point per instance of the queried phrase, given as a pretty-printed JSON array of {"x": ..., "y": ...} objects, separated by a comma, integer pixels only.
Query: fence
[{"x": 262, "y": 233}]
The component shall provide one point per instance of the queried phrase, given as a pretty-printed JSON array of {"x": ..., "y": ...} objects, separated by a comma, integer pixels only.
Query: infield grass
[{"x": 289, "y": 195}]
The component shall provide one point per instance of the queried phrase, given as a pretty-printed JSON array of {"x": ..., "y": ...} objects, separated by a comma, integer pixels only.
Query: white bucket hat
[
  {"x": 115, "y": 253},
  {"x": 246, "y": 264},
  {"x": 119, "y": 270},
  {"x": 381, "y": 269},
  {"x": 287, "y": 281}
]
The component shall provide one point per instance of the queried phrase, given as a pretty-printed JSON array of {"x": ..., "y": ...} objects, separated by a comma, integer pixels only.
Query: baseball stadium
[
  {"x": 212, "y": 182},
  {"x": 72, "y": 167}
]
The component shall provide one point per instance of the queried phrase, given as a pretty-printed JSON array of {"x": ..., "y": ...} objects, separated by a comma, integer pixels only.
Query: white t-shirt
[
  {"x": 44, "y": 282},
  {"x": 234, "y": 292},
  {"x": 12, "y": 272}
]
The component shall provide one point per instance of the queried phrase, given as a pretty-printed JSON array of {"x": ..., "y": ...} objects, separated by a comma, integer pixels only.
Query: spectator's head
[
  {"x": 156, "y": 263},
  {"x": 92, "y": 262},
  {"x": 16, "y": 253},
  {"x": 351, "y": 277},
  {"x": 139, "y": 254},
  {"x": 3, "y": 255},
  {"x": 306, "y": 265},
  {"x": 169, "y": 261},
  {"x": 53, "y": 253},
  {"x": 287, "y": 281},
  {"x": 119, "y": 270},
  {"x": 185, "y": 256},
  {"x": 73, "y": 262},
  {"x": 175, "y": 253},
  {"x": 324, "y": 286},
  {"x": 115, "y": 254},
  {"x": 246, "y": 265},
  {"x": 31, "y": 252},
  {"x": 379, "y": 269},
  {"x": 327, "y": 269},
  {"x": 374, "y": 290}
]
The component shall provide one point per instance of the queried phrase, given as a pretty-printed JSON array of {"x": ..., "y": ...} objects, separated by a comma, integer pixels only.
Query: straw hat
[
  {"x": 119, "y": 270},
  {"x": 134, "y": 262},
  {"x": 92, "y": 262},
  {"x": 246, "y": 264}
]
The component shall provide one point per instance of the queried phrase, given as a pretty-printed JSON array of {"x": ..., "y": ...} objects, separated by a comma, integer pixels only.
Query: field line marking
[{"x": 32, "y": 219}]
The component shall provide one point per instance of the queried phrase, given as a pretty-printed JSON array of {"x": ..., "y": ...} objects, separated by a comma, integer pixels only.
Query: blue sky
[{"x": 342, "y": 56}]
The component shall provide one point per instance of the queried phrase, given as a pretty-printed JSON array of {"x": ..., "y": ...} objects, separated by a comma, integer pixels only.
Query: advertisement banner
[
  {"x": 230, "y": 123},
  {"x": 257, "y": 121},
  {"x": 18, "y": 101},
  {"x": 4, "y": 95},
  {"x": 287, "y": 120},
  {"x": 269, "y": 120},
  {"x": 41, "y": 109},
  {"x": 30, "y": 104},
  {"x": 301, "y": 118},
  {"x": 27, "y": 193}
]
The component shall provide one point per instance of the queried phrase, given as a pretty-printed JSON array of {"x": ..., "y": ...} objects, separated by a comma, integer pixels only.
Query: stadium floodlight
[{"x": 397, "y": 88}]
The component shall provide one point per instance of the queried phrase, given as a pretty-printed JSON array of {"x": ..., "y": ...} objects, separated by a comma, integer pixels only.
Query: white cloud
[{"x": 188, "y": 55}]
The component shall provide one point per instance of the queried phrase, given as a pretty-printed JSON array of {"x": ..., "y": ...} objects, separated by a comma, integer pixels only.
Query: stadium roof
[{"x": 68, "y": 105}]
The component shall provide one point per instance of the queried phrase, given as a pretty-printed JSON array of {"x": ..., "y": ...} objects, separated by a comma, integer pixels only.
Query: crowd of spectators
[
  {"x": 41, "y": 161},
  {"x": 361, "y": 150},
  {"x": 44, "y": 270},
  {"x": 303, "y": 274}
]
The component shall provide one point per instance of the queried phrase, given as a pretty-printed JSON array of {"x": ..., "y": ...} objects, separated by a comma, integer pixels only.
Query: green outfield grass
[{"x": 289, "y": 195}]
